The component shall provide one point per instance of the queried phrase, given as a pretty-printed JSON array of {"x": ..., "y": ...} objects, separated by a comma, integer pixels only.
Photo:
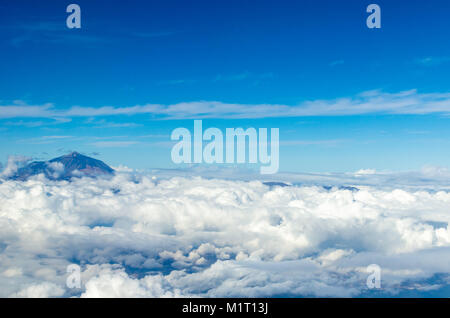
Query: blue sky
[{"x": 344, "y": 97}]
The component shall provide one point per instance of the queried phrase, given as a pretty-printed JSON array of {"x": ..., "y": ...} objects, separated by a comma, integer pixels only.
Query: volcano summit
[{"x": 64, "y": 168}]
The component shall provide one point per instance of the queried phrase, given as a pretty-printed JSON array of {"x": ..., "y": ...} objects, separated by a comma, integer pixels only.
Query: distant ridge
[{"x": 64, "y": 168}]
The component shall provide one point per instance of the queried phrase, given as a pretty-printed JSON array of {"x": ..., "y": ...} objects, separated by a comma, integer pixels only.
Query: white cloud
[
  {"x": 337, "y": 62},
  {"x": 55, "y": 169},
  {"x": 109, "y": 282},
  {"x": 13, "y": 164},
  {"x": 370, "y": 102},
  {"x": 365, "y": 172},
  {"x": 432, "y": 60},
  {"x": 22, "y": 110},
  {"x": 43, "y": 290},
  {"x": 135, "y": 235},
  {"x": 11, "y": 272},
  {"x": 113, "y": 144}
]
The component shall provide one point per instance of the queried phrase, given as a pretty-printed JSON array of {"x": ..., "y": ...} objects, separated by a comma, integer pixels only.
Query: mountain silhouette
[{"x": 64, "y": 168}]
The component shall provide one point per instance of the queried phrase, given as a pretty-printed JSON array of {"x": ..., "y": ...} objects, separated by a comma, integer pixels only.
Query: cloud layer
[
  {"x": 370, "y": 102},
  {"x": 139, "y": 236}
]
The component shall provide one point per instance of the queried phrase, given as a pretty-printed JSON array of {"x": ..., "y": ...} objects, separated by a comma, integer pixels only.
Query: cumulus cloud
[
  {"x": 43, "y": 290},
  {"x": 55, "y": 169},
  {"x": 13, "y": 164},
  {"x": 142, "y": 235}
]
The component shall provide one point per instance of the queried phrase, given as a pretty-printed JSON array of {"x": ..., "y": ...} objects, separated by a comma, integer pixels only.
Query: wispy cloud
[
  {"x": 45, "y": 139},
  {"x": 33, "y": 124},
  {"x": 237, "y": 77},
  {"x": 55, "y": 137},
  {"x": 246, "y": 75},
  {"x": 369, "y": 102},
  {"x": 21, "y": 123},
  {"x": 107, "y": 124},
  {"x": 233, "y": 77},
  {"x": 327, "y": 142},
  {"x": 177, "y": 82},
  {"x": 49, "y": 32},
  {"x": 113, "y": 144},
  {"x": 20, "y": 109},
  {"x": 337, "y": 62},
  {"x": 432, "y": 60},
  {"x": 56, "y": 32}
]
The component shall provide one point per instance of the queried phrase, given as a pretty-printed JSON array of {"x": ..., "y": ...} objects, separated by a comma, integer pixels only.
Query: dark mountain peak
[{"x": 65, "y": 167}]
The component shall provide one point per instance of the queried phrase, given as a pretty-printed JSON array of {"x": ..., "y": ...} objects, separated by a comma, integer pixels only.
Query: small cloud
[
  {"x": 33, "y": 124},
  {"x": 435, "y": 171},
  {"x": 55, "y": 137},
  {"x": 13, "y": 164},
  {"x": 363, "y": 172},
  {"x": 45, "y": 139},
  {"x": 432, "y": 61},
  {"x": 336, "y": 63},
  {"x": 233, "y": 77},
  {"x": 21, "y": 123},
  {"x": 106, "y": 124},
  {"x": 177, "y": 82},
  {"x": 113, "y": 144},
  {"x": 55, "y": 169},
  {"x": 255, "y": 78}
]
